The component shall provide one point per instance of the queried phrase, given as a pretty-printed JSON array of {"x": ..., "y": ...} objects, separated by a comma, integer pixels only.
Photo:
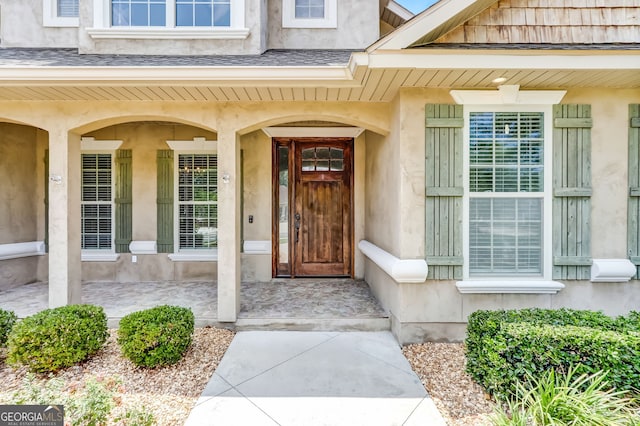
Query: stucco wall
[
  {"x": 18, "y": 200},
  {"x": 358, "y": 27},
  {"x": 21, "y": 26},
  {"x": 144, "y": 139},
  {"x": 435, "y": 310},
  {"x": 255, "y": 43}
]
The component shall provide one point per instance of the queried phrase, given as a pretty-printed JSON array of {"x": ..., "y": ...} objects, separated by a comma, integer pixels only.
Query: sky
[{"x": 416, "y": 6}]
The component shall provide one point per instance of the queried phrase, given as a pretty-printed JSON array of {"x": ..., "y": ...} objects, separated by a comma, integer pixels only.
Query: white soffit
[
  {"x": 507, "y": 95},
  {"x": 311, "y": 132}
]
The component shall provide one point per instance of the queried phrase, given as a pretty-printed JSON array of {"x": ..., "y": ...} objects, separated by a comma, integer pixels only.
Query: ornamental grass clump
[
  {"x": 57, "y": 338},
  {"x": 7, "y": 320},
  {"x": 567, "y": 399},
  {"x": 156, "y": 337}
]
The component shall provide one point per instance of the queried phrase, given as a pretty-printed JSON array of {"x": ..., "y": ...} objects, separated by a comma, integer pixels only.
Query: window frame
[
  {"x": 547, "y": 197},
  {"x": 100, "y": 254},
  {"x": 50, "y": 16},
  {"x": 102, "y": 28},
  {"x": 289, "y": 19},
  {"x": 198, "y": 145}
]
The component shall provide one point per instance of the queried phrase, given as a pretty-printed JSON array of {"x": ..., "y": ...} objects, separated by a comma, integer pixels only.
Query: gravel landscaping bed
[
  {"x": 440, "y": 366},
  {"x": 169, "y": 393}
]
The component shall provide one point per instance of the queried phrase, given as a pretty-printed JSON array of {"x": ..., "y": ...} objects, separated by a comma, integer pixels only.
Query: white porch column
[
  {"x": 228, "y": 225},
  {"x": 64, "y": 218}
]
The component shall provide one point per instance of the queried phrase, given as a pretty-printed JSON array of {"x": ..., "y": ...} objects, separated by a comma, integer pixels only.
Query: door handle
[{"x": 297, "y": 225}]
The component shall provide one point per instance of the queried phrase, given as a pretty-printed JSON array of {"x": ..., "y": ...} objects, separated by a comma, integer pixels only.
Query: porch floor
[{"x": 296, "y": 304}]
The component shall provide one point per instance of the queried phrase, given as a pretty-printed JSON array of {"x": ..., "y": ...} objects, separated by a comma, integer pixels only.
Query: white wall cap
[
  {"x": 612, "y": 270},
  {"x": 26, "y": 249},
  {"x": 143, "y": 247},
  {"x": 195, "y": 256},
  {"x": 509, "y": 286},
  {"x": 98, "y": 256},
  {"x": 257, "y": 247},
  {"x": 401, "y": 270}
]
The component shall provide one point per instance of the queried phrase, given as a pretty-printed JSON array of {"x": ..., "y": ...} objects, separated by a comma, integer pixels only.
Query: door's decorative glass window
[
  {"x": 197, "y": 201},
  {"x": 203, "y": 13},
  {"x": 138, "y": 13},
  {"x": 506, "y": 193},
  {"x": 97, "y": 202},
  {"x": 322, "y": 159},
  {"x": 309, "y": 9}
]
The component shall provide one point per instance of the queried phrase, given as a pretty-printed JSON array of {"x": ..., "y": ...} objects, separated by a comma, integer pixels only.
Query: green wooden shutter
[
  {"x": 444, "y": 190},
  {"x": 46, "y": 200},
  {"x": 123, "y": 200},
  {"x": 633, "y": 216},
  {"x": 572, "y": 192},
  {"x": 165, "y": 201}
]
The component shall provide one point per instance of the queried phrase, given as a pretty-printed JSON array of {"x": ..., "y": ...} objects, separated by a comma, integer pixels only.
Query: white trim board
[{"x": 302, "y": 132}]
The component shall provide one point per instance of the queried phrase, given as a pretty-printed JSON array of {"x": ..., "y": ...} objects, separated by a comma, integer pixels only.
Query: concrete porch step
[{"x": 314, "y": 324}]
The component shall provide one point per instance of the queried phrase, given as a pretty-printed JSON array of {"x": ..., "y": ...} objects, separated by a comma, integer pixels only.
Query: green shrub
[
  {"x": 57, "y": 338},
  {"x": 7, "y": 320},
  {"x": 567, "y": 399},
  {"x": 500, "y": 352},
  {"x": 157, "y": 336}
]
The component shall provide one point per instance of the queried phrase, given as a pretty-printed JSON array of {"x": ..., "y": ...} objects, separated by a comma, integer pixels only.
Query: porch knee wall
[{"x": 436, "y": 311}]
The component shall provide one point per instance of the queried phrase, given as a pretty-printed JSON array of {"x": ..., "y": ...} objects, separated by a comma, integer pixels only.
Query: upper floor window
[
  {"x": 60, "y": 13},
  {"x": 309, "y": 14},
  {"x": 156, "y": 13},
  {"x": 169, "y": 19}
]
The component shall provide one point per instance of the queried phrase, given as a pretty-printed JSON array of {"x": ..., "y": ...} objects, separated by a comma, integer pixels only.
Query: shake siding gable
[
  {"x": 572, "y": 192},
  {"x": 444, "y": 190}
]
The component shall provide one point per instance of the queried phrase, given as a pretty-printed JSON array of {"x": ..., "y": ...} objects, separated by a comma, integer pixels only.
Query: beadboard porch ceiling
[{"x": 367, "y": 77}]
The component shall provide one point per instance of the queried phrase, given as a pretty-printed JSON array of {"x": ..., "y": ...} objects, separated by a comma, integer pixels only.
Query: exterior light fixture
[{"x": 499, "y": 80}]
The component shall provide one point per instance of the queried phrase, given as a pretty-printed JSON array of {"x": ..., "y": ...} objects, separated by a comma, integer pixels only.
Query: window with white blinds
[
  {"x": 506, "y": 194},
  {"x": 97, "y": 202},
  {"x": 197, "y": 186},
  {"x": 67, "y": 8}
]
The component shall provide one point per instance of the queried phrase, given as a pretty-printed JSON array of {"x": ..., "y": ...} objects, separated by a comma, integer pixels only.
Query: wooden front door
[{"x": 319, "y": 219}]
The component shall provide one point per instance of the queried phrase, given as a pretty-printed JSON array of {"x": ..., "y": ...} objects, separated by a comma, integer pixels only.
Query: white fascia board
[
  {"x": 446, "y": 59},
  {"x": 124, "y": 75},
  {"x": 399, "y": 10},
  {"x": 422, "y": 24}
]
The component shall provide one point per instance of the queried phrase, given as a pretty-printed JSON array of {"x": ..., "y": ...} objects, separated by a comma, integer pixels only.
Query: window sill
[
  {"x": 209, "y": 256},
  {"x": 90, "y": 256},
  {"x": 168, "y": 33},
  {"x": 511, "y": 286}
]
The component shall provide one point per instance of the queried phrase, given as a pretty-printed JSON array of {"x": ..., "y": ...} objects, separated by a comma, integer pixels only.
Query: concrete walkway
[{"x": 314, "y": 378}]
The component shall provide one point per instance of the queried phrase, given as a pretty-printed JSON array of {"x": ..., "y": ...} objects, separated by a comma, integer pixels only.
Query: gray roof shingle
[{"x": 33, "y": 57}]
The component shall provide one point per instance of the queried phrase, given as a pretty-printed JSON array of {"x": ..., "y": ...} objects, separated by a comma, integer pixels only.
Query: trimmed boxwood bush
[
  {"x": 7, "y": 320},
  {"x": 57, "y": 338},
  {"x": 506, "y": 346},
  {"x": 157, "y": 336}
]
